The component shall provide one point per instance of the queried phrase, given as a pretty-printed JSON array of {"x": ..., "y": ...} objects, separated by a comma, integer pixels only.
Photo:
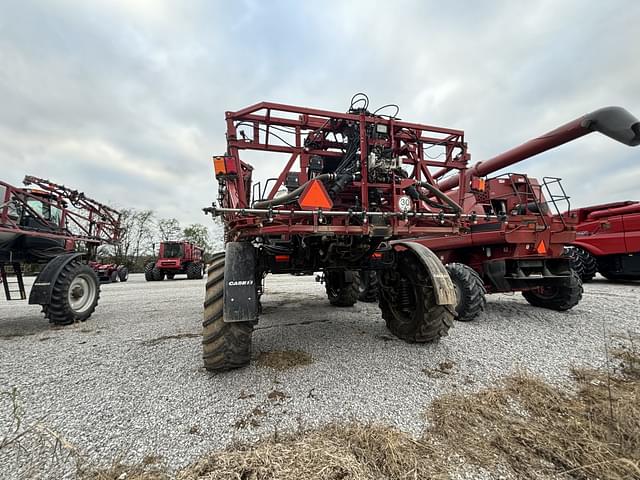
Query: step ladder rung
[{"x": 13, "y": 280}]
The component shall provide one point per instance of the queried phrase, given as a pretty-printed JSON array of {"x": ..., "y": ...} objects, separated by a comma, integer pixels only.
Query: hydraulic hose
[
  {"x": 292, "y": 195},
  {"x": 450, "y": 204}
]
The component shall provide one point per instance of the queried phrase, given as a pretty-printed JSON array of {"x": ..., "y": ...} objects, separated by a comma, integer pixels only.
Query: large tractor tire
[
  {"x": 194, "y": 271},
  {"x": 225, "y": 345},
  {"x": 156, "y": 274},
  {"x": 559, "y": 298},
  {"x": 342, "y": 288},
  {"x": 75, "y": 295},
  {"x": 368, "y": 289},
  {"x": 470, "y": 291},
  {"x": 123, "y": 273},
  {"x": 408, "y": 303},
  {"x": 582, "y": 262},
  {"x": 148, "y": 271},
  {"x": 113, "y": 278}
]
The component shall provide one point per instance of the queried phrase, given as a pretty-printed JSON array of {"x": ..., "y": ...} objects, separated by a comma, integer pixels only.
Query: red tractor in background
[
  {"x": 176, "y": 258},
  {"x": 110, "y": 272},
  {"x": 608, "y": 241},
  {"x": 44, "y": 225}
]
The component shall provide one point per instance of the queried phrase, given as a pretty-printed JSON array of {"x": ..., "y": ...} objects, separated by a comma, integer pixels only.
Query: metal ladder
[{"x": 6, "y": 277}]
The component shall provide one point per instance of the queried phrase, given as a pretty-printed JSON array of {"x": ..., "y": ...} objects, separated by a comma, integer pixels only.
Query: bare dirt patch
[
  {"x": 444, "y": 368},
  {"x": 284, "y": 359}
]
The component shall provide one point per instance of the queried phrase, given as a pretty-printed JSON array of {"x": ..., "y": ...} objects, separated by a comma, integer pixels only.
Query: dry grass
[
  {"x": 283, "y": 360},
  {"x": 538, "y": 429},
  {"x": 333, "y": 452}
]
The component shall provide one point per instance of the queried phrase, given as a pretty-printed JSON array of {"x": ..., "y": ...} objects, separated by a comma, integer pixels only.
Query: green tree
[{"x": 198, "y": 234}]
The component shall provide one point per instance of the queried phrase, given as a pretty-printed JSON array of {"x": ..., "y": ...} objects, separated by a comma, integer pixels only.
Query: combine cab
[
  {"x": 608, "y": 241},
  {"x": 43, "y": 225},
  {"x": 176, "y": 258}
]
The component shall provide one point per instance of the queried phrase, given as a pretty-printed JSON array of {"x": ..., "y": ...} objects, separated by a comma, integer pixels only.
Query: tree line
[{"x": 141, "y": 234}]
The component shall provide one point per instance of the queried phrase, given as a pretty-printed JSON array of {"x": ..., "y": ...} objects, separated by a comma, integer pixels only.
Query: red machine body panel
[
  {"x": 608, "y": 240},
  {"x": 609, "y": 229}
]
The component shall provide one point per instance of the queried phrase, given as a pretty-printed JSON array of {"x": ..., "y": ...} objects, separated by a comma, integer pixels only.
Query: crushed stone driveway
[{"x": 129, "y": 382}]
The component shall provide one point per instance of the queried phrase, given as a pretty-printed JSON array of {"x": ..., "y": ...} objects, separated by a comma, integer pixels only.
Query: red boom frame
[
  {"x": 88, "y": 221},
  {"x": 310, "y": 132}
]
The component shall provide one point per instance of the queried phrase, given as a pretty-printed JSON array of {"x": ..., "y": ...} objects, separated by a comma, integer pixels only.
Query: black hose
[
  {"x": 291, "y": 195},
  {"x": 450, "y": 204}
]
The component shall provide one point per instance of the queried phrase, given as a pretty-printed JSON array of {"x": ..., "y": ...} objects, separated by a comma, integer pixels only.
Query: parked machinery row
[{"x": 387, "y": 210}]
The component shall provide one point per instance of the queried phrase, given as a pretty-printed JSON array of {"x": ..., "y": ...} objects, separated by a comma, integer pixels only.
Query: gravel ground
[{"x": 129, "y": 382}]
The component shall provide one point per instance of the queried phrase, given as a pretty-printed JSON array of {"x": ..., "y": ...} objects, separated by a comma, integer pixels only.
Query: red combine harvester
[
  {"x": 176, "y": 258},
  {"x": 523, "y": 248},
  {"x": 43, "y": 225},
  {"x": 608, "y": 241}
]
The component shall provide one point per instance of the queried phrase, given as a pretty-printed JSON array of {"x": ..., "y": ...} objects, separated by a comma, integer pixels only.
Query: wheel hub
[
  {"x": 77, "y": 292},
  {"x": 82, "y": 293}
]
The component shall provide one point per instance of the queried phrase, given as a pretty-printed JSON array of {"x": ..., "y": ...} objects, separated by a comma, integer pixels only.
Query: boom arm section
[
  {"x": 614, "y": 122},
  {"x": 54, "y": 211}
]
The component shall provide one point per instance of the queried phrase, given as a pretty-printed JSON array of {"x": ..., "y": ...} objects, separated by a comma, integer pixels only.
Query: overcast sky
[{"x": 125, "y": 99}]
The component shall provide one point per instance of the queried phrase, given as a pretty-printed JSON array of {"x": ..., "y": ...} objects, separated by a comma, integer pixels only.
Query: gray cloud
[{"x": 126, "y": 100}]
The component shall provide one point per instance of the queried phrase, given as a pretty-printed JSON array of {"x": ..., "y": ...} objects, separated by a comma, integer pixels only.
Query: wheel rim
[{"x": 82, "y": 293}]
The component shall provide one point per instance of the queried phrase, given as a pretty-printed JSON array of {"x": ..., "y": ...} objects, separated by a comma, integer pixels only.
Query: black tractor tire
[
  {"x": 148, "y": 271},
  {"x": 470, "y": 291},
  {"x": 424, "y": 320},
  {"x": 224, "y": 345},
  {"x": 75, "y": 295},
  {"x": 559, "y": 298},
  {"x": 582, "y": 262},
  {"x": 339, "y": 292},
  {"x": 194, "y": 271},
  {"x": 123, "y": 273},
  {"x": 114, "y": 277},
  {"x": 171, "y": 276},
  {"x": 157, "y": 274},
  {"x": 368, "y": 288}
]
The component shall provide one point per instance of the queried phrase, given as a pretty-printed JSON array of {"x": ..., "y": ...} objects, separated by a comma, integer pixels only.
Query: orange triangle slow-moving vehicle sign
[
  {"x": 541, "y": 248},
  {"x": 315, "y": 196}
]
